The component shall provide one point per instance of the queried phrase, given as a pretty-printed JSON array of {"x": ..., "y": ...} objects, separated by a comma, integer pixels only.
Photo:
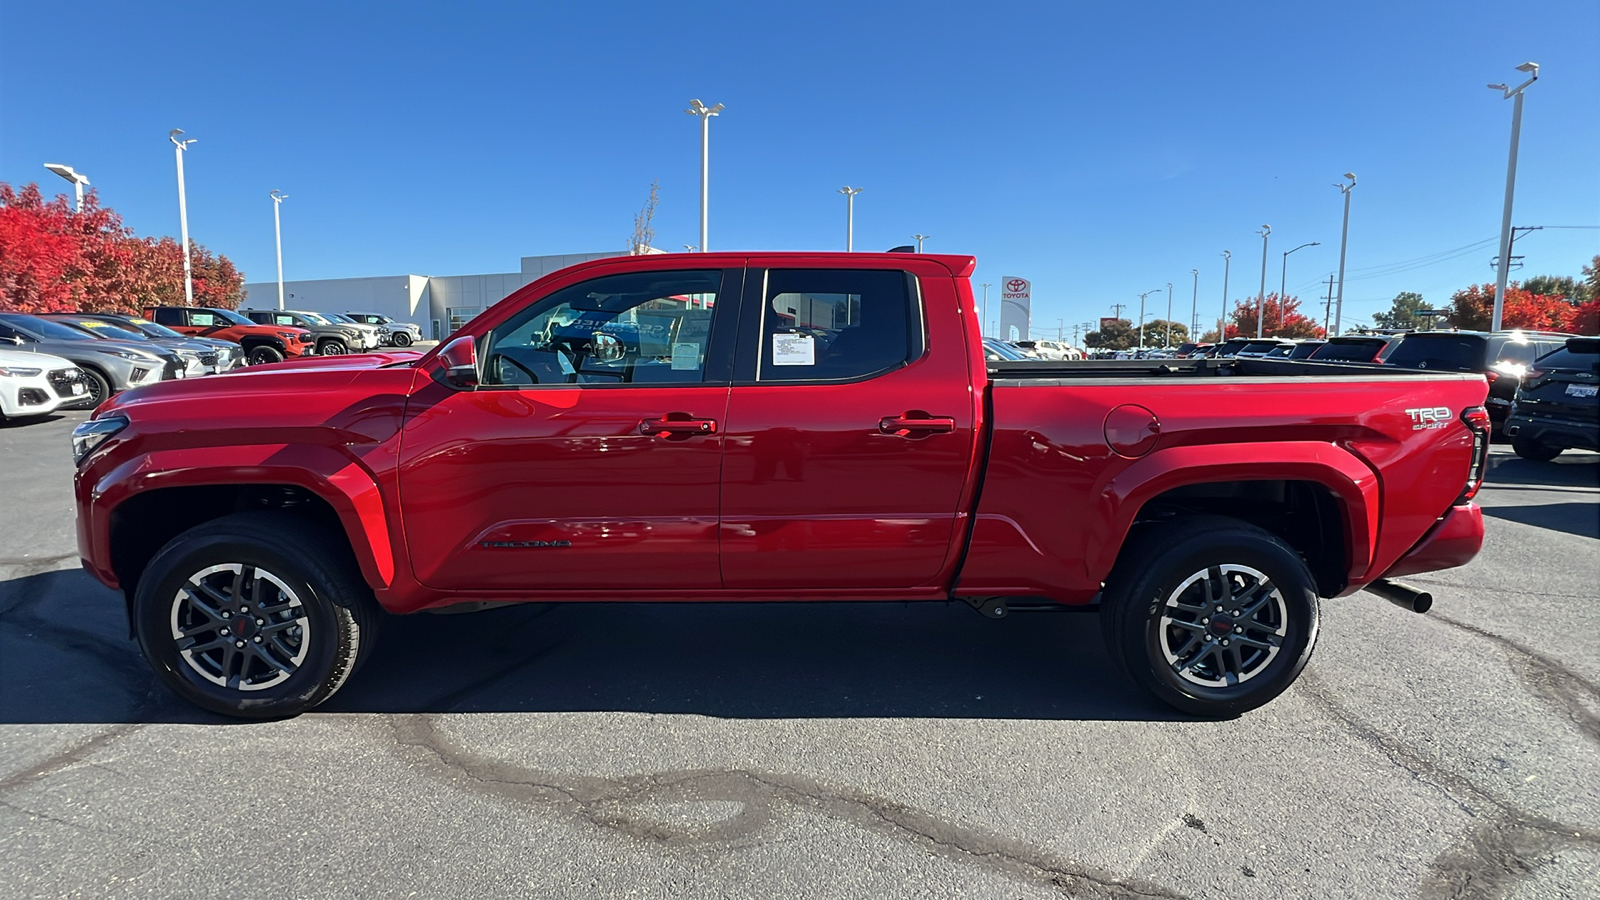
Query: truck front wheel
[
  {"x": 254, "y": 615},
  {"x": 1213, "y": 616}
]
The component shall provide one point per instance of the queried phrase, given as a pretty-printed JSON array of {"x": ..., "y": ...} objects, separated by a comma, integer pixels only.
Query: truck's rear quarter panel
[{"x": 1057, "y": 503}]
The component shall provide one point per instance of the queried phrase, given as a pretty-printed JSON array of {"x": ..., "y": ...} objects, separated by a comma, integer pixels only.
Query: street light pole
[
  {"x": 1140, "y": 327},
  {"x": 1344, "y": 242},
  {"x": 983, "y": 317},
  {"x": 277, "y": 229},
  {"x": 183, "y": 215},
  {"x": 1169, "y": 314},
  {"x": 1222, "y": 323},
  {"x": 1283, "y": 277},
  {"x": 78, "y": 180},
  {"x": 1261, "y": 298},
  {"x": 696, "y": 108},
  {"x": 919, "y": 238},
  {"x": 850, "y": 217},
  {"x": 1194, "y": 308},
  {"x": 1504, "y": 268}
]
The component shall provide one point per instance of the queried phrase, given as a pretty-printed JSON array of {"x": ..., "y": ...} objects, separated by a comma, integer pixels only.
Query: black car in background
[
  {"x": 1558, "y": 405},
  {"x": 1500, "y": 356},
  {"x": 1354, "y": 348}
]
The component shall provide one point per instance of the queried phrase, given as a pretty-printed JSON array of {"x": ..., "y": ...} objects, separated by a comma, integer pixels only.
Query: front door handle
[
  {"x": 677, "y": 423},
  {"x": 906, "y": 425}
]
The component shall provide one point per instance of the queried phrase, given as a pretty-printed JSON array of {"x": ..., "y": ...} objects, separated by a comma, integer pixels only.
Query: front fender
[
  {"x": 1353, "y": 483},
  {"x": 341, "y": 481}
]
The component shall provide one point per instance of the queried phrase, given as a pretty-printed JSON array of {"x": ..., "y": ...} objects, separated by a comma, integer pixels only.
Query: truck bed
[{"x": 1019, "y": 370}]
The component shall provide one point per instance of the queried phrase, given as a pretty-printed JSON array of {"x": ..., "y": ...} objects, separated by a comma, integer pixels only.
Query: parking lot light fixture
[
  {"x": 850, "y": 217},
  {"x": 983, "y": 315},
  {"x": 1284, "y": 276},
  {"x": 1194, "y": 307},
  {"x": 1169, "y": 314},
  {"x": 78, "y": 180},
  {"x": 1503, "y": 270},
  {"x": 1261, "y": 298},
  {"x": 696, "y": 108},
  {"x": 1140, "y": 327},
  {"x": 919, "y": 238},
  {"x": 1344, "y": 241},
  {"x": 277, "y": 230},
  {"x": 183, "y": 216}
]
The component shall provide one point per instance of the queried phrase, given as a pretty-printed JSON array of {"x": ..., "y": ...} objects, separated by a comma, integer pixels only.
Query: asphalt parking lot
[{"x": 818, "y": 750}]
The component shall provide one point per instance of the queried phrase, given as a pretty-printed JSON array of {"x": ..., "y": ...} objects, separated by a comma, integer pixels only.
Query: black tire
[
  {"x": 1153, "y": 604},
  {"x": 1534, "y": 450},
  {"x": 401, "y": 338},
  {"x": 331, "y": 347},
  {"x": 99, "y": 389},
  {"x": 315, "y": 627},
  {"x": 263, "y": 354}
]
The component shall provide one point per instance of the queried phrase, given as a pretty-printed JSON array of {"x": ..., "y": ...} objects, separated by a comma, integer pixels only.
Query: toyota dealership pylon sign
[{"x": 1016, "y": 307}]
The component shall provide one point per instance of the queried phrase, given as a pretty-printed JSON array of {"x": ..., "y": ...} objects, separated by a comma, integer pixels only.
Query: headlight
[
  {"x": 287, "y": 335},
  {"x": 91, "y": 434},
  {"x": 123, "y": 354},
  {"x": 19, "y": 372}
]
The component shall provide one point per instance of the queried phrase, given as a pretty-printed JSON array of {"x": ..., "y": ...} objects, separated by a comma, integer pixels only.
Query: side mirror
[
  {"x": 460, "y": 360},
  {"x": 607, "y": 348}
]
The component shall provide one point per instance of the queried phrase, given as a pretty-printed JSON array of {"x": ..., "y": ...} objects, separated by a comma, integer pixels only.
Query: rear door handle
[
  {"x": 677, "y": 423},
  {"x": 905, "y": 425}
]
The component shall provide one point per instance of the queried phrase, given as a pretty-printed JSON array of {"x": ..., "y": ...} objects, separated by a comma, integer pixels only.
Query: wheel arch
[{"x": 1320, "y": 499}]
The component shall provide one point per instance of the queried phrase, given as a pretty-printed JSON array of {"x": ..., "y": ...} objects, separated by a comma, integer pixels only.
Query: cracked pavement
[{"x": 823, "y": 750}]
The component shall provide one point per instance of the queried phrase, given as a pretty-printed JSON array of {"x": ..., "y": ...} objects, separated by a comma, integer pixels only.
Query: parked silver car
[
  {"x": 229, "y": 355},
  {"x": 332, "y": 337},
  {"x": 198, "y": 359},
  {"x": 396, "y": 334},
  {"x": 108, "y": 366}
]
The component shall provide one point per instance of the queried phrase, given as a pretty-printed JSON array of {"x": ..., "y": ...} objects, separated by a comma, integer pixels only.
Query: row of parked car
[{"x": 57, "y": 360}]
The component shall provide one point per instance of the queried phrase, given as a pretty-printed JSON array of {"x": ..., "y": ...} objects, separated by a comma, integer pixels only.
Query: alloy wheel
[
  {"x": 1223, "y": 626},
  {"x": 240, "y": 627}
]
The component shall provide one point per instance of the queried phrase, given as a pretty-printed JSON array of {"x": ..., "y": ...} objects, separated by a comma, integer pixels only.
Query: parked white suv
[{"x": 34, "y": 384}]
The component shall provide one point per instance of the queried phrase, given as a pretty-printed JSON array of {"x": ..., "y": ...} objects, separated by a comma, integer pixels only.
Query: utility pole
[
  {"x": 1532, "y": 68},
  {"x": 1117, "y": 308},
  {"x": 1061, "y": 330},
  {"x": 1327, "y": 309},
  {"x": 1261, "y": 298},
  {"x": 1140, "y": 327}
]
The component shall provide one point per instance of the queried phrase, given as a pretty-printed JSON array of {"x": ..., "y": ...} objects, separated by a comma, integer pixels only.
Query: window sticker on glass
[
  {"x": 794, "y": 350},
  {"x": 685, "y": 357}
]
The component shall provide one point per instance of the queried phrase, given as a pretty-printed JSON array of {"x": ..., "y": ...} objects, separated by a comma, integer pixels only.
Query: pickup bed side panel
[{"x": 1057, "y": 502}]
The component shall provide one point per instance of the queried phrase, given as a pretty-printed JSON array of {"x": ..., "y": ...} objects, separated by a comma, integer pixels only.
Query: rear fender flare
[{"x": 1353, "y": 483}]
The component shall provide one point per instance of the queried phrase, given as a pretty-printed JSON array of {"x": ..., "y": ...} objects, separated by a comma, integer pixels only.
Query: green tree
[
  {"x": 1577, "y": 292},
  {"x": 1155, "y": 333},
  {"x": 1116, "y": 336},
  {"x": 1403, "y": 314}
]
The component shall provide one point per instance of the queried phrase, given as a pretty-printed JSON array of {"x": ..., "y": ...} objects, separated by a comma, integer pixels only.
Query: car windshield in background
[
  {"x": 1301, "y": 351},
  {"x": 1348, "y": 351},
  {"x": 230, "y": 316},
  {"x": 1449, "y": 352},
  {"x": 108, "y": 330},
  {"x": 318, "y": 318},
  {"x": 154, "y": 330},
  {"x": 45, "y": 328},
  {"x": 1003, "y": 350}
]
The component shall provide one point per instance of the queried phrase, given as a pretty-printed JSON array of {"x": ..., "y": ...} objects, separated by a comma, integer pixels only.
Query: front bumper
[
  {"x": 1452, "y": 541},
  {"x": 1552, "y": 432}
]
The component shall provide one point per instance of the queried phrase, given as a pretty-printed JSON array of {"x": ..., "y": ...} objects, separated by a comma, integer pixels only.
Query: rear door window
[
  {"x": 1347, "y": 351},
  {"x": 836, "y": 324},
  {"x": 1582, "y": 356}
]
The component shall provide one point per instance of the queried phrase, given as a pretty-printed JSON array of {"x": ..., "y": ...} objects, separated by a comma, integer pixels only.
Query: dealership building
[{"x": 437, "y": 304}]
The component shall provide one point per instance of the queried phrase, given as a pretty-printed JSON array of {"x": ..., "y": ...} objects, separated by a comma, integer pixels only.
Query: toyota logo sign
[{"x": 1016, "y": 285}]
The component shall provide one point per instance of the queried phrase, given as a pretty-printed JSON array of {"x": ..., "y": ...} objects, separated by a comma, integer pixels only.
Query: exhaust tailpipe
[{"x": 1402, "y": 595}]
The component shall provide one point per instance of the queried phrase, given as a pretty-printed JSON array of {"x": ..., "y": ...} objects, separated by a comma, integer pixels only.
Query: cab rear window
[{"x": 1448, "y": 352}]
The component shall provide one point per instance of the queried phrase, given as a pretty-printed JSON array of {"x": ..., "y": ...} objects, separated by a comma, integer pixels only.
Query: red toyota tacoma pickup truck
[{"x": 767, "y": 427}]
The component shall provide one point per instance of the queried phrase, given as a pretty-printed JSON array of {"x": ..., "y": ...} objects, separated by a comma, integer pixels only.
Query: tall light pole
[
  {"x": 850, "y": 217},
  {"x": 1261, "y": 298},
  {"x": 1344, "y": 241},
  {"x": 919, "y": 238},
  {"x": 1169, "y": 314},
  {"x": 277, "y": 229},
  {"x": 696, "y": 108},
  {"x": 78, "y": 180},
  {"x": 983, "y": 317},
  {"x": 1140, "y": 327},
  {"x": 1194, "y": 308},
  {"x": 1504, "y": 268},
  {"x": 1283, "y": 277},
  {"x": 1222, "y": 323},
  {"x": 183, "y": 215}
]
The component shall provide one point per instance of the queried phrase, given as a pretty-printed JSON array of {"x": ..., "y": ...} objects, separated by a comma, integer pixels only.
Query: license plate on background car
[
  {"x": 79, "y": 388},
  {"x": 1583, "y": 390}
]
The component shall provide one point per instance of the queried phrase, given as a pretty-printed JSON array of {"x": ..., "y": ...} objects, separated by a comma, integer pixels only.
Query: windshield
[
  {"x": 1001, "y": 349},
  {"x": 152, "y": 329},
  {"x": 1450, "y": 352},
  {"x": 346, "y": 320},
  {"x": 320, "y": 320},
  {"x": 230, "y": 316},
  {"x": 46, "y": 329},
  {"x": 108, "y": 330}
]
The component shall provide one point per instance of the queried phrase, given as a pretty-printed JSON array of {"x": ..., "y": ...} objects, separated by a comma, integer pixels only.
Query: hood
[
  {"x": 306, "y": 377},
  {"x": 24, "y": 358}
]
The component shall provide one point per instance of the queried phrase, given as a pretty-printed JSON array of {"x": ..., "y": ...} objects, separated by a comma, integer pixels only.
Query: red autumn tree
[
  {"x": 1283, "y": 319},
  {"x": 1586, "y": 319},
  {"x": 1472, "y": 309},
  {"x": 55, "y": 259}
]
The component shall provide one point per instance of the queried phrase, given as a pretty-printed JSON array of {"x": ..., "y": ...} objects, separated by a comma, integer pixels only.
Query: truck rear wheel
[
  {"x": 402, "y": 338},
  {"x": 262, "y": 354},
  {"x": 254, "y": 615},
  {"x": 1213, "y": 616}
]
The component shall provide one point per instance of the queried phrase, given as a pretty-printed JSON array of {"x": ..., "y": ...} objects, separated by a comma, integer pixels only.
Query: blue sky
[{"x": 1099, "y": 150}]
